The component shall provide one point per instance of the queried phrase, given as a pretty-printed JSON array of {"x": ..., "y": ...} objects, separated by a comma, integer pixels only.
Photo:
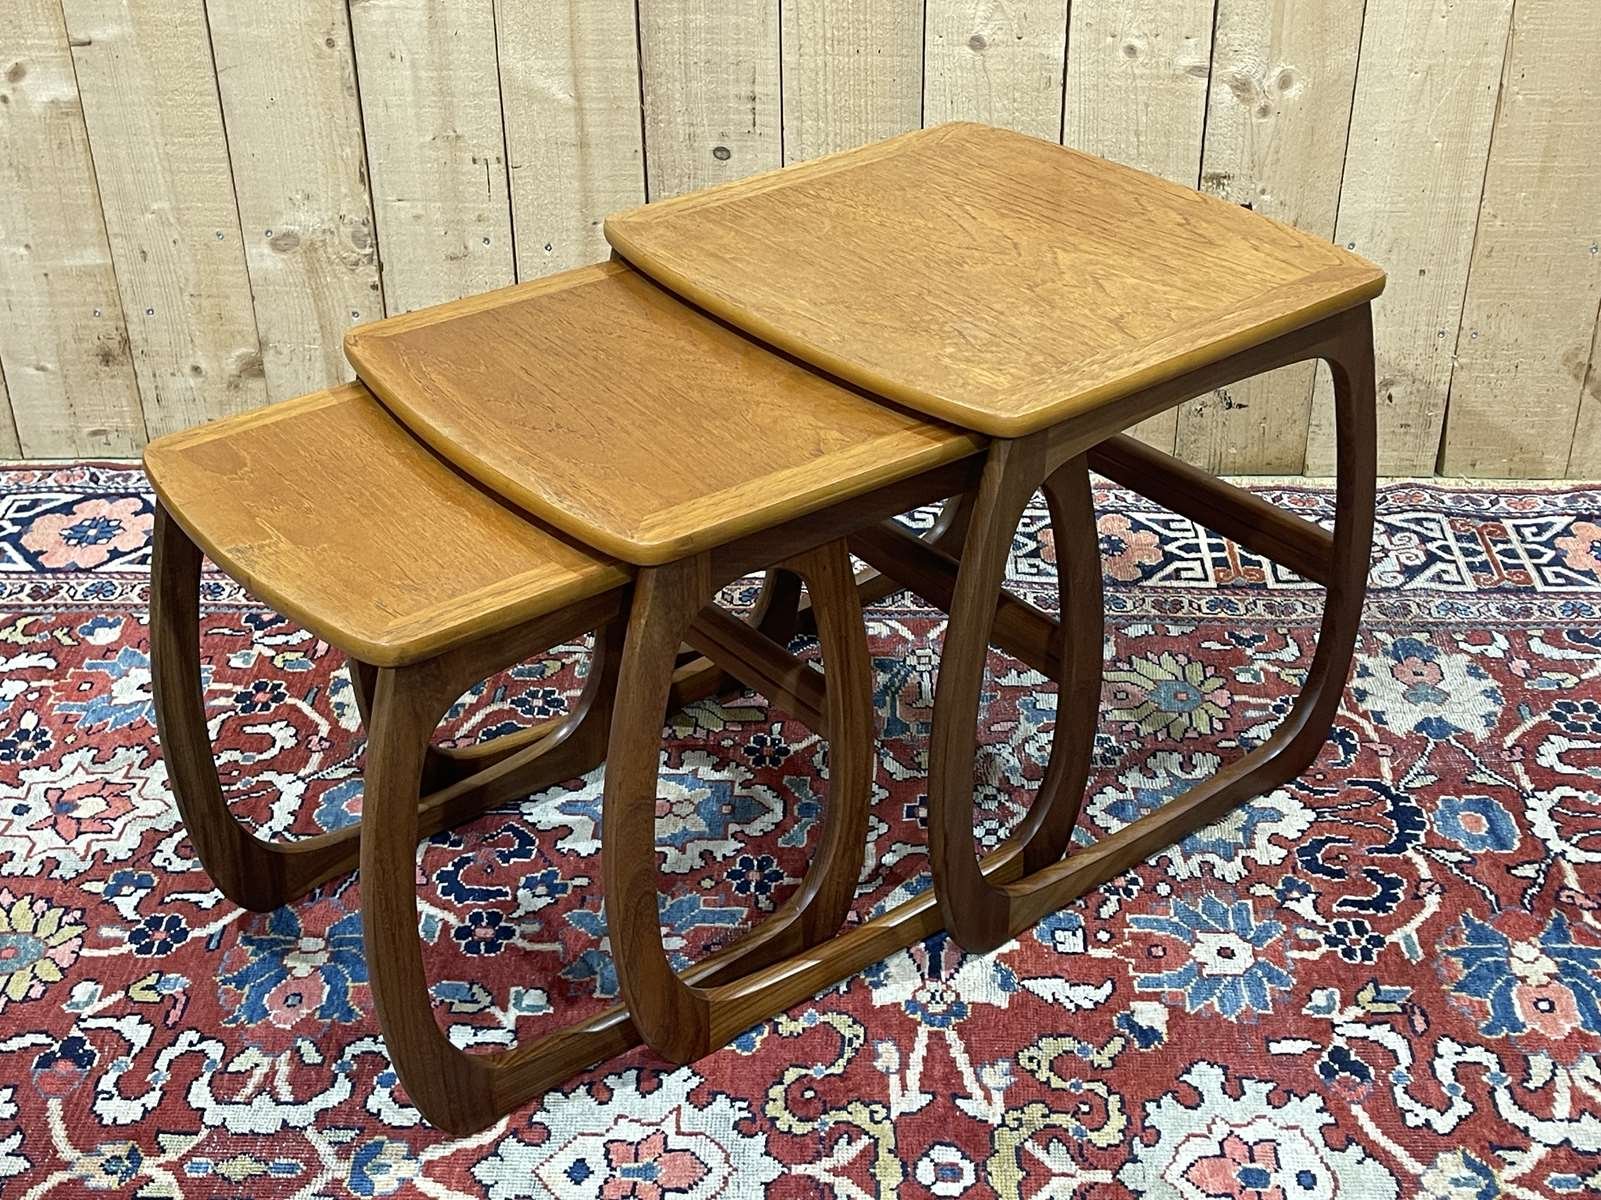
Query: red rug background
[{"x": 1384, "y": 980}]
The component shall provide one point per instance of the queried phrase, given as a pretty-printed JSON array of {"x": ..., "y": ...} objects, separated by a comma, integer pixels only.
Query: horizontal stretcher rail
[
  {"x": 791, "y": 685},
  {"x": 610, "y": 1033},
  {"x": 1263, "y": 528},
  {"x": 1020, "y": 629}
]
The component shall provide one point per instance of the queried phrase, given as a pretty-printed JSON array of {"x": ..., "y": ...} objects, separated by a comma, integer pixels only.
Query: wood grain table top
[
  {"x": 601, "y": 403},
  {"x": 989, "y": 278},
  {"x": 330, "y": 511}
]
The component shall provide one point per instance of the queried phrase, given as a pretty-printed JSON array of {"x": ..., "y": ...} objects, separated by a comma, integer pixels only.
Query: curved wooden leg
[
  {"x": 981, "y": 915},
  {"x": 463, "y": 1092},
  {"x": 252, "y": 873},
  {"x": 872, "y": 585},
  {"x": 261, "y": 875},
  {"x": 452, "y": 1089},
  {"x": 776, "y": 613},
  {"x": 524, "y": 761},
  {"x": 950, "y": 527},
  {"x": 679, "y": 1017},
  {"x": 1079, "y": 648},
  {"x": 975, "y": 909}
]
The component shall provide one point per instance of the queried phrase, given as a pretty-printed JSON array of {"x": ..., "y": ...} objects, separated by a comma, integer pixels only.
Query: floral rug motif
[{"x": 1382, "y": 981}]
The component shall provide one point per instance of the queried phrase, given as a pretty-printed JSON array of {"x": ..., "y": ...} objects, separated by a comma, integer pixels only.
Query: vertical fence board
[
  {"x": 997, "y": 61},
  {"x": 1420, "y": 132},
  {"x": 430, "y": 98},
  {"x": 161, "y": 158},
  {"x": 1136, "y": 83},
  {"x": 62, "y": 339},
  {"x": 710, "y": 74},
  {"x": 1527, "y": 324},
  {"x": 853, "y": 73},
  {"x": 288, "y": 85},
  {"x": 1137, "y": 75},
  {"x": 569, "y": 83},
  {"x": 1282, "y": 77}
]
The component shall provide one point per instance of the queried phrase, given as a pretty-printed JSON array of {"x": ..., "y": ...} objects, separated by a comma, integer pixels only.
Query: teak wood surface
[
  {"x": 988, "y": 278},
  {"x": 328, "y": 510},
  {"x": 603, "y": 405}
]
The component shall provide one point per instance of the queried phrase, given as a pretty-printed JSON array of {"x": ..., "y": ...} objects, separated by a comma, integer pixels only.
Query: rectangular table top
[
  {"x": 327, "y": 509},
  {"x": 988, "y": 278},
  {"x": 599, "y": 402}
]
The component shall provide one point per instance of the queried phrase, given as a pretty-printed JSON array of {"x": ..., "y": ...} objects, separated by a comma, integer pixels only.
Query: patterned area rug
[{"x": 1382, "y": 981}]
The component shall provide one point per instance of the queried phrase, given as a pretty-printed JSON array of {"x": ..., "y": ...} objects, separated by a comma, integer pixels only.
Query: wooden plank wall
[
  {"x": 197, "y": 197},
  {"x": 148, "y": 88}
]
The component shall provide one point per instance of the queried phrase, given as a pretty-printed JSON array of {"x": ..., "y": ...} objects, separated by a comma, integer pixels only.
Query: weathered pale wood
[
  {"x": 988, "y": 278},
  {"x": 288, "y": 84},
  {"x": 1136, "y": 83},
  {"x": 853, "y": 73},
  {"x": 1136, "y": 93},
  {"x": 62, "y": 340},
  {"x": 160, "y": 155},
  {"x": 569, "y": 86},
  {"x": 1420, "y": 132},
  {"x": 1282, "y": 78},
  {"x": 997, "y": 61},
  {"x": 1529, "y": 318},
  {"x": 709, "y": 73},
  {"x": 329, "y": 511},
  {"x": 712, "y": 437},
  {"x": 436, "y": 148}
]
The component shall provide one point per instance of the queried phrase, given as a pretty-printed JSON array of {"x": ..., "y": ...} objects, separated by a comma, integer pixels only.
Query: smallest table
[{"x": 1049, "y": 299}]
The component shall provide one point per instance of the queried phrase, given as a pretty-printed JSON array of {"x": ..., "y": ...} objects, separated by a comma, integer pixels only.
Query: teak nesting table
[{"x": 764, "y": 377}]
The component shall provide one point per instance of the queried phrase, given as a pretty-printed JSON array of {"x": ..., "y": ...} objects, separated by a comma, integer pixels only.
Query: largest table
[{"x": 1050, "y": 299}]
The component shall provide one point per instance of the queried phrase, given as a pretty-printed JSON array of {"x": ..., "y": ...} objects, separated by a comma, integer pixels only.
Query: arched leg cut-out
[
  {"x": 462, "y": 1092},
  {"x": 981, "y": 913},
  {"x": 262, "y": 875},
  {"x": 1011, "y": 475},
  {"x": 680, "y": 1018}
]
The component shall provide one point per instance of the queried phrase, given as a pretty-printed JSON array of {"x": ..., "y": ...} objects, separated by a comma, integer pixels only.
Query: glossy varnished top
[
  {"x": 989, "y": 278},
  {"x": 602, "y": 404},
  {"x": 328, "y": 510}
]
